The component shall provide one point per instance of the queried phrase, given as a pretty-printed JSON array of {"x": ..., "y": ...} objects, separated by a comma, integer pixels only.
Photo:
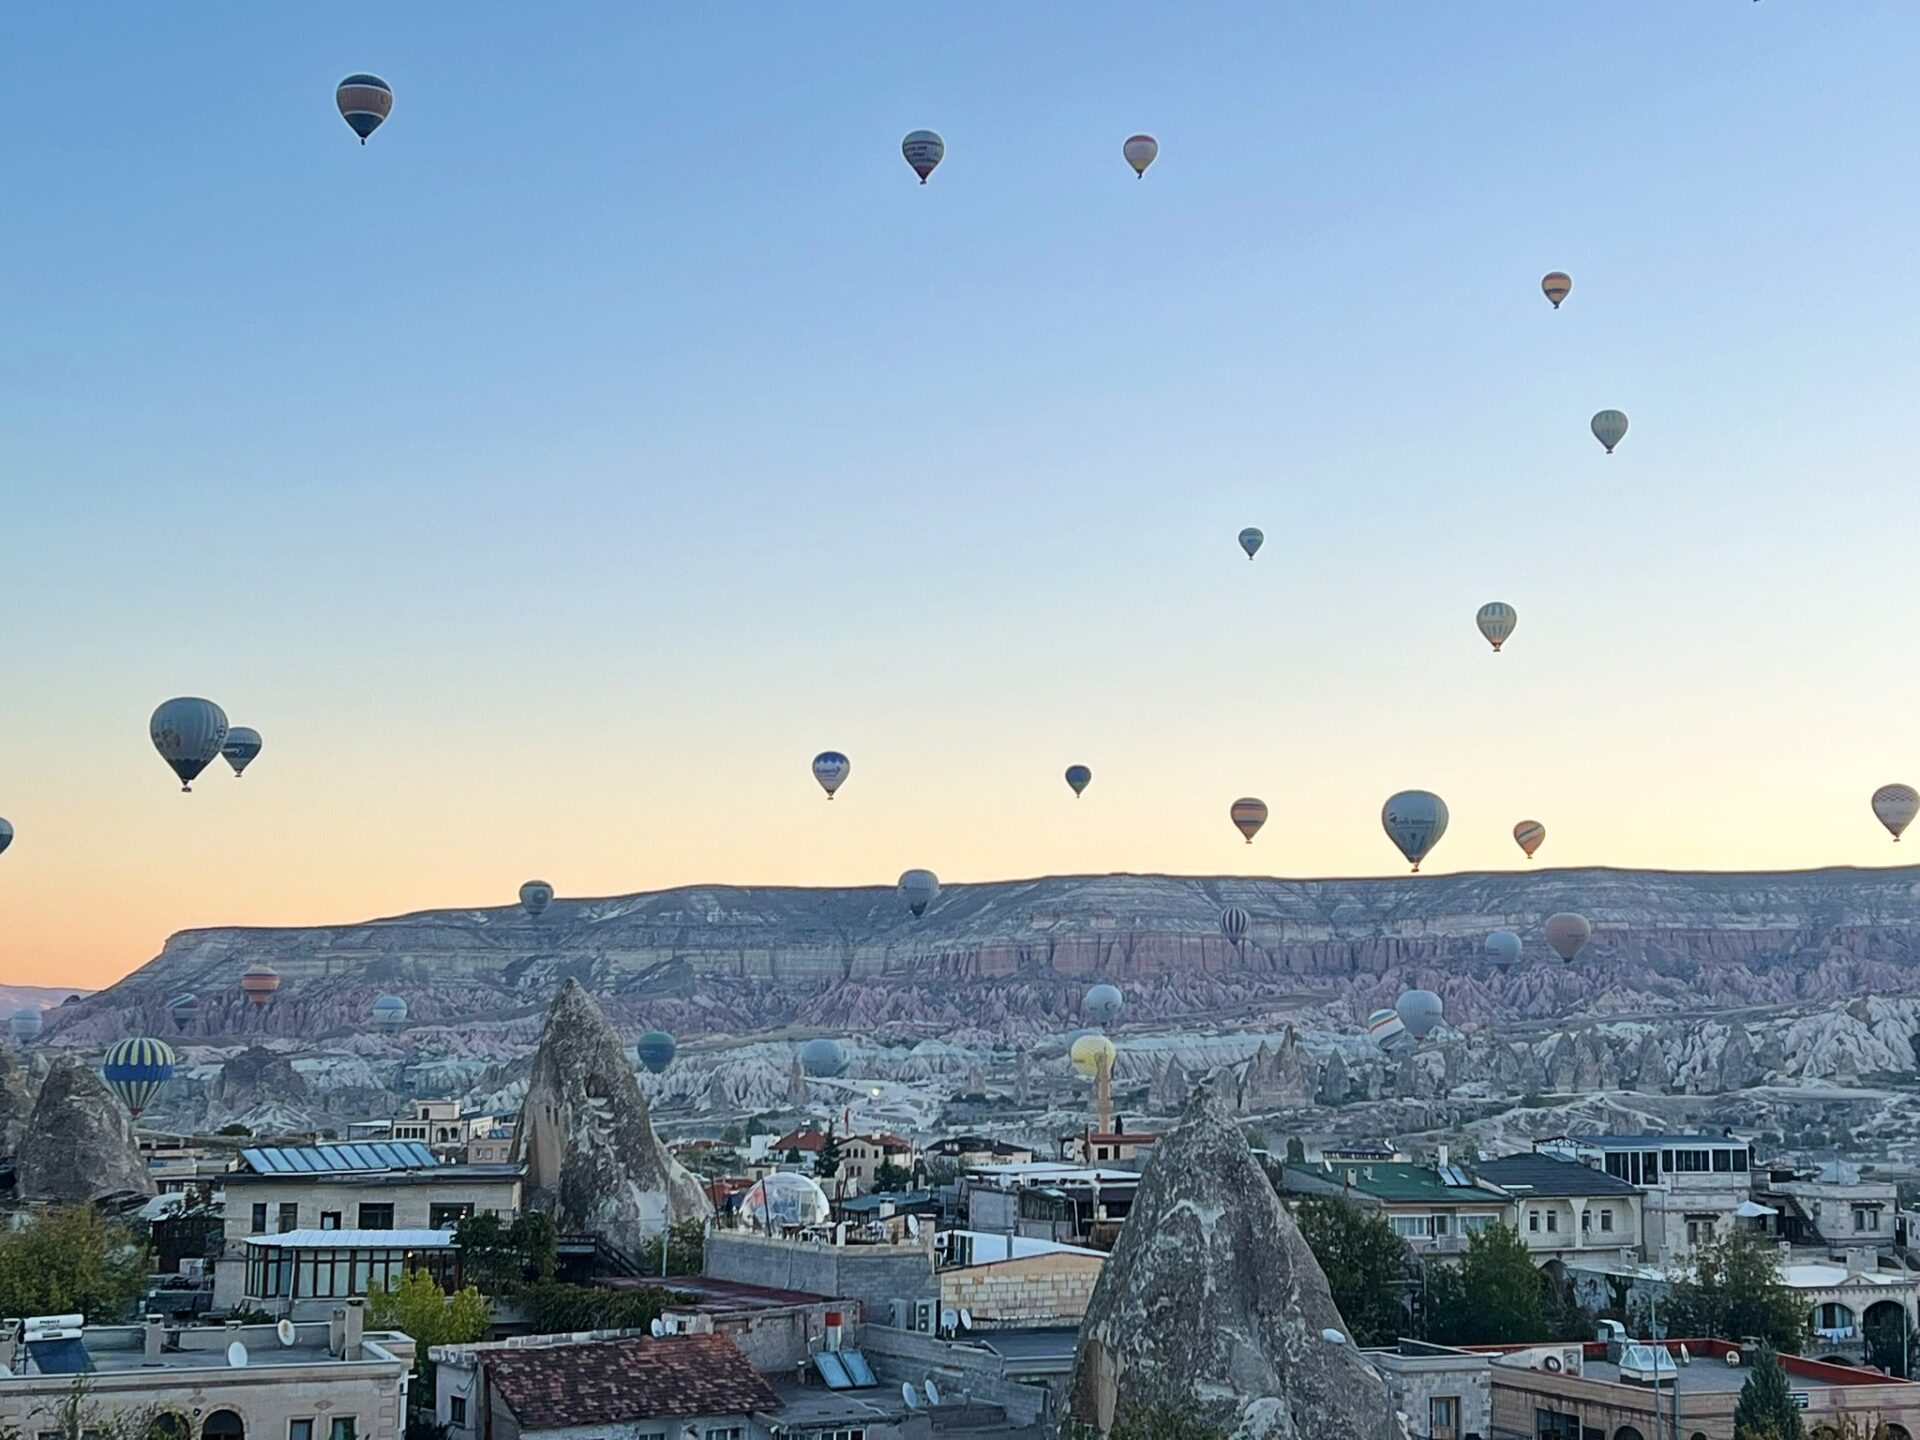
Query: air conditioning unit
[{"x": 1570, "y": 1360}]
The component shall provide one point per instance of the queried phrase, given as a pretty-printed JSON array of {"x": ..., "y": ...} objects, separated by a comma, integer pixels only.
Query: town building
[
  {"x": 963, "y": 1152},
  {"x": 440, "y": 1125},
  {"x": 1830, "y": 1206},
  {"x": 1434, "y": 1208},
  {"x": 332, "y": 1380},
  {"x": 1562, "y": 1208},
  {"x": 998, "y": 1281},
  {"x": 493, "y": 1148},
  {"x": 1093, "y": 1147},
  {"x": 861, "y": 1157},
  {"x": 1445, "y": 1393},
  {"x": 889, "y": 1280},
  {"x": 1046, "y": 1200},
  {"x": 1577, "y": 1391},
  {"x": 1693, "y": 1187}
]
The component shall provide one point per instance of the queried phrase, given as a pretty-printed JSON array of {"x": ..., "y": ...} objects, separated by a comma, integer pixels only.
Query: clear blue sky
[{"x": 550, "y": 478}]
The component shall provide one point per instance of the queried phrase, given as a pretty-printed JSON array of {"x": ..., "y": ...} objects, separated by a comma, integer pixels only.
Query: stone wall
[
  {"x": 963, "y": 1372},
  {"x": 873, "y": 1275},
  {"x": 1033, "y": 1290}
]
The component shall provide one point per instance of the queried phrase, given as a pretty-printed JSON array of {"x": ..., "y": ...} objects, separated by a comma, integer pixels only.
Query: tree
[
  {"x": 1890, "y": 1343},
  {"x": 553, "y": 1308},
  {"x": 826, "y": 1164},
  {"x": 71, "y": 1260},
  {"x": 502, "y": 1259},
  {"x": 686, "y": 1249},
  {"x": 416, "y": 1305},
  {"x": 236, "y": 1130},
  {"x": 1495, "y": 1296},
  {"x": 889, "y": 1177},
  {"x": 1296, "y": 1150},
  {"x": 732, "y": 1137},
  {"x": 1765, "y": 1410},
  {"x": 1365, "y": 1264},
  {"x": 1734, "y": 1291}
]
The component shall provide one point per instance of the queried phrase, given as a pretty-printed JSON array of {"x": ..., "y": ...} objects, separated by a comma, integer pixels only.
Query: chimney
[
  {"x": 1441, "y": 1153},
  {"x": 356, "y": 1319},
  {"x": 154, "y": 1334}
]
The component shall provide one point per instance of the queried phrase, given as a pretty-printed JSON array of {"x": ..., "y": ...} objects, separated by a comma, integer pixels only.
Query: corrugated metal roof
[{"x": 340, "y": 1159}]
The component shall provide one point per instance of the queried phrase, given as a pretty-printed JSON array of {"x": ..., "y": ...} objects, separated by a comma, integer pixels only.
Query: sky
[{"x": 551, "y": 478}]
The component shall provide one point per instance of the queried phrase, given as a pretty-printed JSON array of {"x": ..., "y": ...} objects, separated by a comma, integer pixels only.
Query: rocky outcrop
[
  {"x": 593, "y": 1161},
  {"x": 1335, "y": 1082},
  {"x": 79, "y": 1143},
  {"x": 1212, "y": 1306},
  {"x": 16, "y": 1102},
  {"x": 1168, "y": 1094}
]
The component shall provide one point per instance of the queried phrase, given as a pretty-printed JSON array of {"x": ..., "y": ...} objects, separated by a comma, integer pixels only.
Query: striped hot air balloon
[
  {"x": 1248, "y": 815},
  {"x": 1233, "y": 924},
  {"x": 923, "y": 150},
  {"x": 1894, "y": 806},
  {"x": 1387, "y": 1030},
  {"x": 1556, "y": 285},
  {"x": 1496, "y": 621},
  {"x": 1528, "y": 834},
  {"x": 259, "y": 983},
  {"x": 365, "y": 101},
  {"x": 138, "y": 1070},
  {"x": 188, "y": 732}
]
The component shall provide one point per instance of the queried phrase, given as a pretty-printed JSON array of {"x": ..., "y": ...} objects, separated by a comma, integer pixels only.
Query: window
[
  {"x": 1474, "y": 1224},
  {"x": 1553, "y": 1221},
  {"x": 289, "y": 1218},
  {"x": 1533, "y": 1221},
  {"x": 300, "y": 1429},
  {"x": 1411, "y": 1227},
  {"x": 718, "y": 1432},
  {"x": 376, "y": 1217},
  {"x": 223, "y": 1425},
  {"x": 344, "y": 1427},
  {"x": 260, "y": 1218},
  {"x": 329, "y": 1219},
  {"x": 1740, "y": 1159},
  {"x": 852, "y": 1432},
  {"x": 1606, "y": 1220},
  {"x": 1865, "y": 1217},
  {"x": 1722, "y": 1161},
  {"x": 1586, "y": 1221},
  {"x": 457, "y": 1409},
  {"x": 445, "y": 1217}
]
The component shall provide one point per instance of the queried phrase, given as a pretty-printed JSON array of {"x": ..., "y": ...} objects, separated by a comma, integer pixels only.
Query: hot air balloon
[
  {"x": 823, "y": 1057},
  {"x": 364, "y": 101},
  {"x": 1251, "y": 540},
  {"x": 1420, "y": 1011},
  {"x": 656, "y": 1050},
  {"x": 1568, "y": 934},
  {"x": 1504, "y": 947},
  {"x": 1091, "y": 1054},
  {"x": 1079, "y": 777},
  {"x": 1894, "y": 806},
  {"x": 1140, "y": 150},
  {"x": 390, "y": 1012},
  {"x": 919, "y": 888},
  {"x": 1248, "y": 815},
  {"x": 1387, "y": 1030},
  {"x": 183, "y": 1010},
  {"x": 924, "y": 150},
  {"x": 138, "y": 1070},
  {"x": 1528, "y": 834},
  {"x": 6, "y": 835},
  {"x": 1609, "y": 428},
  {"x": 831, "y": 769},
  {"x": 188, "y": 733},
  {"x": 1414, "y": 820},
  {"x": 24, "y": 1025},
  {"x": 1233, "y": 924},
  {"x": 1496, "y": 621},
  {"x": 259, "y": 983},
  {"x": 1103, "y": 1004},
  {"x": 1556, "y": 285},
  {"x": 243, "y": 744},
  {"x": 535, "y": 896}
]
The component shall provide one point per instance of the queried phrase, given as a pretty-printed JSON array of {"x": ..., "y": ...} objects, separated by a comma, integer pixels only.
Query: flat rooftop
[
  {"x": 708, "y": 1295},
  {"x": 1708, "y": 1374},
  {"x": 121, "y": 1349}
]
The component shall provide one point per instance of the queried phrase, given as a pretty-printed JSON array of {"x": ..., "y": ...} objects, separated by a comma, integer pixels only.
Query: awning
[{"x": 1753, "y": 1210}]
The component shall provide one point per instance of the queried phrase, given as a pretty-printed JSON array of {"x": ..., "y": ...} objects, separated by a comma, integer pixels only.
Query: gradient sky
[{"x": 551, "y": 478}]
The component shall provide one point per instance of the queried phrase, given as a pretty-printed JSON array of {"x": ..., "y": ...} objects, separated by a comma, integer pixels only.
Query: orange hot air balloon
[
  {"x": 1528, "y": 834},
  {"x": 259, "y": 983},
  {"x": 1249, "y": 815},
  {"x": 1556, "y": 285},
  {"x": 1568, "y": 934}
]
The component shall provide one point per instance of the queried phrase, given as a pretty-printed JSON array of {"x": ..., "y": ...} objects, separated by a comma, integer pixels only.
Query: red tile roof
[
  {"x": 611, "y": 1382},
  {"x": 805, "y": 1141}
]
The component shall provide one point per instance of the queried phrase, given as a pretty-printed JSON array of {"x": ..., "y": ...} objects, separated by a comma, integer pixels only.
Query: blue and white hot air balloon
[
  {"x": 919, "y": 888},
  {"x": 138, "y": 1070},
  {"x": 188, "y": 732},
  {"x": 390, "y": 1013},
  {"x": 1078, "y": 778},
  {"x": 831, "y": 769},
  {"x": 1414, "y": 820},
  {"x": 1504, "y": 947},
  {"x": 924, "y": 151},
  {"x": 1251, "y": 539},
  {"x": 823, "y": 1058},
  {"x": 1103, "y": 1004},
  {"x": 535, "y": 897},
  {"x": 365, "y": 101},
  {"x": 241, "y": 749},
  {"x": 1420, "y": 1011}
]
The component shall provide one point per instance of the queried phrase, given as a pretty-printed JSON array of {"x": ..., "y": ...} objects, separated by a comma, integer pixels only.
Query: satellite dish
[
  {"x": 966, "y": 1318},
  {"x": 949, "y": 1320},
  {"x": 658, "y": 1329},
  {"x": 910, "y": 1395},
  {"x": 285, "y": 1331},
  {"x": 913, "y": 1227},
  {"x": 1733, "y": 1359},
  {"x": 1333, "y": 1337},
  {"x": 1685, "y": 1356},
  {"x": 933, "y": 1392},
  {"x": 237, "y": 1355}
]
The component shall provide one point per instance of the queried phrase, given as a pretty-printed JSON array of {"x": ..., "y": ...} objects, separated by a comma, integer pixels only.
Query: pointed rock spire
[
  {"x": 1212, "y": 1306},
  {"x": 79, "y": 1143}
]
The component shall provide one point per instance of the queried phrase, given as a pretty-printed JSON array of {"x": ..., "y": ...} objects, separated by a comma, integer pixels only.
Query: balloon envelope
[
  {"x": 1079, "y": 777},
  {"x": 259, "y": 982},
  {"x": 1091, "y": 1054},
  {"x": 1504, "y": 947},
  {"x": 24, "y": 1025},
  {"x": 390, "y": 1012},
  {"x": 1251, "y": 540},
  {"x": 1414, "y": 820},
  {"x": 1894, "y": 806},
  {"x": 1610, "y": 428},
  {"x": 6, "y": 835},
  {"x": 1234, "y": 922},
  {"x": 1556, "y": 285},
  {"x": 138, "y": 1070},
  {"x": 1420, "y": 1011},
  {"x": 923, "y": 151},
  {"x": 535, "y": 896},
  {"x": 1568, "y": 934},
  {"x": 365, "y": 101},
  {"x": 919, "y": 888},
  {"x": 1103, "y": 1004},
  {"x": 831, "y": 769},
  {"x": 1496, "y": 621},
  {"x": 1248, "y": 815},
  {"x": 1140, "y": 150},
  {"x": 243, "y": 744},
  {"x": 656, "y": 1050},
  {"x": 1386, "y": 1029},
  {"x": 183, "y": 1010},
  {"x": 188, "y": 732},
  {"x": 823, "y": 1057},
  {"x": 1528, "y": 835}
]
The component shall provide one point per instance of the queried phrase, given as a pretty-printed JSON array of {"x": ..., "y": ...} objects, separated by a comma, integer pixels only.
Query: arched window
[
  {"x": 223, "y": 1425},
  {"x": 1832, "y": 1318},
  {"x": 1894, "y": 1431},
  {"x": 1627, "y": 1432}
]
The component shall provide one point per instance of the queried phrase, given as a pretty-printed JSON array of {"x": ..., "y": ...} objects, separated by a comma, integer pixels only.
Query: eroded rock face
[
  {"x": 1212, "y": 1306},
  {"x": 16, "y": 1102},
  {"x": 593, "y": 1161},
  {"x": 79, "y": 1141}
]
